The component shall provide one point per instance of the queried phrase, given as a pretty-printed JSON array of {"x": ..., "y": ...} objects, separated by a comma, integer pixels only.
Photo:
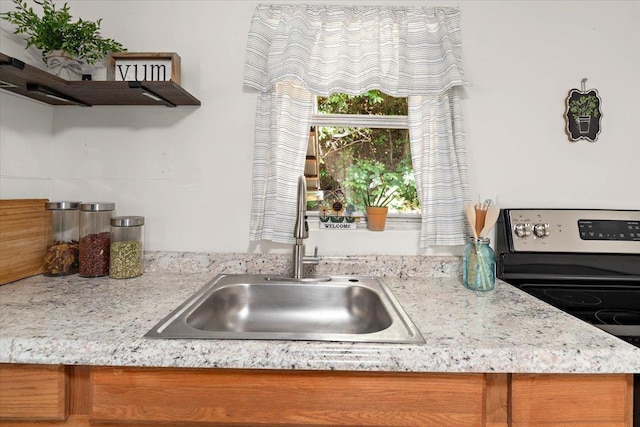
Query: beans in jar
[{"x": 94, "y": 255}]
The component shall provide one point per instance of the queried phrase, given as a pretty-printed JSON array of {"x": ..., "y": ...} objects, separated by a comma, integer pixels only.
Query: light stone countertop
[{"x": 102, "y": 321}]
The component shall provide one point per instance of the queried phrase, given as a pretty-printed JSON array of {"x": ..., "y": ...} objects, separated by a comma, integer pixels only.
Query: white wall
[
  {"x": 188, "y": 170},
  {"x": 25, "y": 148}
]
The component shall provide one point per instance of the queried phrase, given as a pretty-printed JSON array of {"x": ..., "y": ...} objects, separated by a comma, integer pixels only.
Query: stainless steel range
[{"x": 584, "y": 262}]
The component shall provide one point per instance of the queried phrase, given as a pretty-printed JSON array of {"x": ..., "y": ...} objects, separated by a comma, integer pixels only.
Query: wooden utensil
[
  {"x": 470, "y": 211},
  {"x": 490, "y": 220},
  {"x": 480, "y": 218}
]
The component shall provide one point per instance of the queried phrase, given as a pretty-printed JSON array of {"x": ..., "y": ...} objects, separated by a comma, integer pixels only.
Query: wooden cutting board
[{"x": 25, "y": 227}]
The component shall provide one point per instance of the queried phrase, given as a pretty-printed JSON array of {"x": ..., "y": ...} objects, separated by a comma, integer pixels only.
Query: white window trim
[{"x": 360, "y": 121}]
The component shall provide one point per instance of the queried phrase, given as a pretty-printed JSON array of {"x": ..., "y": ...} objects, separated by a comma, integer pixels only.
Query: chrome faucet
[{"x": 301, "y": 232}]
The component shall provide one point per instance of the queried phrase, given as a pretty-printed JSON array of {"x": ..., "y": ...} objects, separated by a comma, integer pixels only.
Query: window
[
  {"x": 357, "y": 140},
  {"x": 296, "y": 51}
]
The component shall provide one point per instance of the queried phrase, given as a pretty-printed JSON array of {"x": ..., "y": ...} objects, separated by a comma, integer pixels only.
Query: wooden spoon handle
[{"x": 480, "y": 216}]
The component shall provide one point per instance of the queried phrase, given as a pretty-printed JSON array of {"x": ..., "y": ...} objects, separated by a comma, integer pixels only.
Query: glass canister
[
  {"x": 127, "y": 247},
  {"x": 479, "y": 265},
  {"x": 61, "y": 258},
  {"x": 95, "y": 235}
]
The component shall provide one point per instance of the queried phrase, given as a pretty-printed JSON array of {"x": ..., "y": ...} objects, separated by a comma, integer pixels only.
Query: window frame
[
  {"x": 395, "y": 221},
  {"x": 360, "y": 121}
]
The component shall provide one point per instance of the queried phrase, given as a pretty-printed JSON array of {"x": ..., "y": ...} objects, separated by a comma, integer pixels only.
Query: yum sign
[{"x": 143, "y": 67}]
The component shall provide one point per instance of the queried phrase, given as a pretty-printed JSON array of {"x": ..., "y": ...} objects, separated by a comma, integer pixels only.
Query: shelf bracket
[
  {"x": 16, "y": 63},
  {"x": 12, "y": 62},
  {"x": 53, "y": 94},
  {"x": 149, "y": 93}
]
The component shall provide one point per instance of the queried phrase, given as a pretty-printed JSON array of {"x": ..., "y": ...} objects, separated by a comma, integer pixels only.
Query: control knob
[
  {"x": 541, "y": 230},
  {"x": 522, "y": 230}
]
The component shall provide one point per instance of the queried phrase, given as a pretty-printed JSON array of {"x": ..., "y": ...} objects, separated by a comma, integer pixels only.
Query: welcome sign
[{"x": 143, "y": 66}]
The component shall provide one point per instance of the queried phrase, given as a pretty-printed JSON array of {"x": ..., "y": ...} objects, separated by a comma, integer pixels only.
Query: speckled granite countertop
[{"x": 102, "y": 321}]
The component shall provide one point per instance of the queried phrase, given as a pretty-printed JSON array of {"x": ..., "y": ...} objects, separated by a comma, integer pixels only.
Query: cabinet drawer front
[
  {"x": 571, "y": 400},
  {"x": 34, "y": 392},
  {"x": 286, "y": 397}
]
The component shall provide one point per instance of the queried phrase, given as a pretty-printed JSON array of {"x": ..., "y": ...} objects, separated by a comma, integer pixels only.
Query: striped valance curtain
[
  {"x": 401, "y": 51},
  {"x": 295, "y": 52}
]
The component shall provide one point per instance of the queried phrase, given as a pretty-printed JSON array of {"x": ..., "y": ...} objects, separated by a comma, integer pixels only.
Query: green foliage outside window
[
  {"x": 354, "y": 158},
  {"x": 373, "y": 102},
  {"x": 370, "y": 176}
]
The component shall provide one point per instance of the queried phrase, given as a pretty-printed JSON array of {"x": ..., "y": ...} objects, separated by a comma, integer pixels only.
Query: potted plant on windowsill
[
  {"x": 376, "y": 201},
  {"x": 64, "y": 44}
]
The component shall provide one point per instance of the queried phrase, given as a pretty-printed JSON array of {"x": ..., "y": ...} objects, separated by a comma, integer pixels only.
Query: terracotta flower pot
[{"x": 376, "y": 218}]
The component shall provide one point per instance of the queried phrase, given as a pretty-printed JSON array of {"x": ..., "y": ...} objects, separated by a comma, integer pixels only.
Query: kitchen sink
[{"x": 246, "y": 306}]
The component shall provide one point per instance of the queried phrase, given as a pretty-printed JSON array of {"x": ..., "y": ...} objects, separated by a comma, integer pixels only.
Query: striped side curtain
[
  {"x": 281, "y": 137},
  {"x": 297, "y": 51},
  {"x": 439, "y": 158}
]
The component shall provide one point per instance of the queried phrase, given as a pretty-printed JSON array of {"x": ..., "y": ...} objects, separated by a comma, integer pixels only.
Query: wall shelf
[{"x": 34, "y": 83}]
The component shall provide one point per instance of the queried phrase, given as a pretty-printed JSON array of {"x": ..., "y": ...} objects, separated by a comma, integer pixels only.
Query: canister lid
[
  {"x": 97, "y": 206},
  {"x": 62, "y": 205},
  {"x": 127, "y": 221}
]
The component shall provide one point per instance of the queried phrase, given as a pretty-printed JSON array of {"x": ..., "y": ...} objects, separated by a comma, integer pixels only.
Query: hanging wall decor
[{"x": 582, "y": 114}]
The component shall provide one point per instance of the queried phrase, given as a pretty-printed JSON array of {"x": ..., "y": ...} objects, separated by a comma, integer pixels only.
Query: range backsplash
[{"x": 236, "y": 263}]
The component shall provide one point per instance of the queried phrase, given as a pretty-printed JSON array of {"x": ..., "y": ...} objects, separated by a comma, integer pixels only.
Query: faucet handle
[{"x": 312, "y": 259}]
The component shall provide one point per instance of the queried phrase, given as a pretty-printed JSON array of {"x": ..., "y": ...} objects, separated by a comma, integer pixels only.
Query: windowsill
[
  {"x": 400, "y": 237},
  {"x": 395, "y": 221}
]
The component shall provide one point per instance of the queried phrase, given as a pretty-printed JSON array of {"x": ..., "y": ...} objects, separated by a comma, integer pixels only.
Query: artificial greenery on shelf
[{"x": 55, "y": 31}]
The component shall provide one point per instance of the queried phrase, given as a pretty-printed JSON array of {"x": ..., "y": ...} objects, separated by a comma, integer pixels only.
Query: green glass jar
[{"x": 479, "y": 263}]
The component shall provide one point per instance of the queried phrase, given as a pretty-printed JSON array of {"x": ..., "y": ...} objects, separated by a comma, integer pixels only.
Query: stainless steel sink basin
[{"x": 344, "y": 308}]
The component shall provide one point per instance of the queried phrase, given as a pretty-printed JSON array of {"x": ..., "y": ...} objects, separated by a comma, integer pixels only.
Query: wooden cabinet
[
  {"x": 33, "y": 392},
  {"x": 286, "y": 397},
  {"x": 119, "y": 396},
  {"x": 32, "y": 82},
  {"x": 571, "y": 400}
]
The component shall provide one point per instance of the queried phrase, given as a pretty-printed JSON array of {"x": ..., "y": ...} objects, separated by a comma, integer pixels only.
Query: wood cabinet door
[
  {"x": 576, "y": 400},
  {"x": 286, "y": 397},
  {"x": 33, "y": 392}
]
